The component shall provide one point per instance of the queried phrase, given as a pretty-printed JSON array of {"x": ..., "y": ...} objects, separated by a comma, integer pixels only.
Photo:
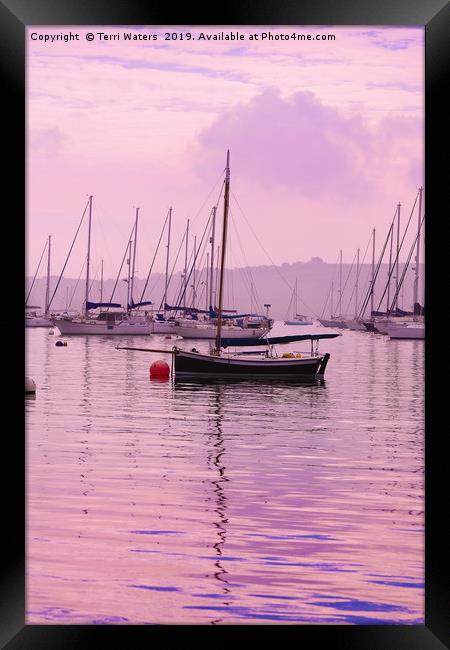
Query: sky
[{"x": 325, "y": 139}]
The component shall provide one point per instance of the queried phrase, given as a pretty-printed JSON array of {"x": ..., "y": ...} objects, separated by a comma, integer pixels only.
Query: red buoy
[{"x": 159, "y": 369}]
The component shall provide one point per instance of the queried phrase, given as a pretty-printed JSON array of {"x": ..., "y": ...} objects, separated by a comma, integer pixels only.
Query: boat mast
[
  {"x": 389, "y": 272},
  {"x": 398, "y": 255},
  {"x": 193, "y": 272},
  {"x": 88, "y": 257},
  {"x": 217, "y": 278},
  {"x": 416, "y": 277},
  {"x": 207, "y": 282},
  {"x": 373, "y": 273},
  {"x": 47, "y": 291},
  {"x": 223, "y": 252},
  {"x": 296, "y": 305},
  {"x": 167, "y": 261},
  {"x": 129, "y": 273},
  {"x": 211, "y": 241},
  {"x": 331, "y": 301},
  {"x": 134, "y": 257},
  {"x": 186, "y": 264},
  {"x": 357, "y": 282},
  {"x": 340, "y": 284},
  {"x": 101, "y": 283}
]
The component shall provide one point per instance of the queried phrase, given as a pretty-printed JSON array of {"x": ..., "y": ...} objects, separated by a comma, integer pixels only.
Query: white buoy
[{"x": 30, "y": 386}]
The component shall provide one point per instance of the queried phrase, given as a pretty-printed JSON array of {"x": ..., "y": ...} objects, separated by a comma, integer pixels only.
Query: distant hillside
[{"x": 249, "y": 288}]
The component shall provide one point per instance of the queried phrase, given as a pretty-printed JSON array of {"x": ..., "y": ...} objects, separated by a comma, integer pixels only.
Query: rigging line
[
  {"x": 329, "y": 291},
  {"x": 37, "y": 271},
  {"x": 406, "y": 265},
  {"x": 312, "y": 311},
  {"x": 154, "y": 257},
  {"x": 367, "y": 280},
  {"x": 212, "y": 190},
  {"x": 398, "y": 253},
  {"x": 67, "y": 258},
  {"x": 246, "y": 272},
  {"x": 173, "y": 268},
  {"x": 371, "y": 287},
  {"x": 206, "y": 229},
  {"x": 326, "y": 300},
  {"x": 345, "y": 284},
  {"x": 121, "y": 266},
  {"x": 76, "y": 283},
  {"x": 361, "y": 265}
]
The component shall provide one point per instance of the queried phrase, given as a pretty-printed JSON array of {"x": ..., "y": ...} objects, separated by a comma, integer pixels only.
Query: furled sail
[
  {"x": 274, "y": 340},
  {"x": 95, "y": 305}
]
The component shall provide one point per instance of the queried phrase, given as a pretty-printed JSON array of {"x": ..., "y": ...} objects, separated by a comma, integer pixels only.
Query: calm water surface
[{"x": 224, "y": 503}]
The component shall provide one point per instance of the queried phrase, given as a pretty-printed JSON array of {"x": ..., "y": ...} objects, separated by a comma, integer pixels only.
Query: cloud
[
  {"x": 309, "y": 149},
  {"x": 296, "y": 142},
  {"x": 48, "y": 142}
]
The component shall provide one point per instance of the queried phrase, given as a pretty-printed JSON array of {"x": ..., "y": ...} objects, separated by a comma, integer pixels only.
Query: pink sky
[{"x": 326, "y": 137}]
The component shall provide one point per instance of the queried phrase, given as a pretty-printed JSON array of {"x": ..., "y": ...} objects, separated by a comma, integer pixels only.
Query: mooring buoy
[{"x": 159, "y": 369}]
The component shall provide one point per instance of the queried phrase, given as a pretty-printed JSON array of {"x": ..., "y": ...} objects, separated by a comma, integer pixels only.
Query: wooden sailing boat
[{"x": 264, "y": 363}]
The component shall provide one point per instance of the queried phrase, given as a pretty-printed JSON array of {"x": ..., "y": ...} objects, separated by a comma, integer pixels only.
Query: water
[{"x": 224, "y": 503}]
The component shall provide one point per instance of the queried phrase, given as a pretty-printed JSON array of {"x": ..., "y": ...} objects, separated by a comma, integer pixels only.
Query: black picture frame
[{"x": 15, "y": 16}]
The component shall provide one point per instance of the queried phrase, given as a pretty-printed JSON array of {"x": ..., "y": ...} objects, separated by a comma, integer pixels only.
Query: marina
[{"x": 225, "y": 327}]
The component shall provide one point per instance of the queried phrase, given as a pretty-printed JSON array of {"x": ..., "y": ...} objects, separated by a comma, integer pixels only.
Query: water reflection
[{"x": 274, "y": 500}]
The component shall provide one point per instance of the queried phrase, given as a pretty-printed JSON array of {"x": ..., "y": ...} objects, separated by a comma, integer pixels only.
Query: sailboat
[
  {"x": 416, "y": 329},
  {"x": 265, "y": 363},
  {"x": 32, "y": 318},
  {"x": 107, "y": 322},
  {"x": 335, "y": 321},
  {"x": 297, "y": 319}
]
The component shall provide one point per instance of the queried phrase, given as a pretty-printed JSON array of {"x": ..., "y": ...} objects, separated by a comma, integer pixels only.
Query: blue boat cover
[
  {"x": 94, "y": 305},
  {"x": 135, "y": 305},
  {"x": 274, "y": 340}
]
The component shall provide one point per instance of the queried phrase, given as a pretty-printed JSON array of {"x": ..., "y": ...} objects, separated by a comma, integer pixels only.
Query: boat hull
[
  {"x": 38, "y": 322},
  {"x": 193, "y": 364},
  {"x": 162, "y": 327},
  {"x": 298, "y": 322},
  {"x": 405, "y": 332},
  {"x": 332, "y": 323},
  {"x": 104, "y": 328}
]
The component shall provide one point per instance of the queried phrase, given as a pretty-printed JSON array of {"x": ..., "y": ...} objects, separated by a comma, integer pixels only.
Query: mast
[
  {"x": 357, "y": 282},
  {"x": 217, "y": 278},
  {"x": 416, "y": 277},
  {"x": 398, "y": 255},
  {"x": 207, "y": 282},
  {"x": 373, "y": 273},
  {"x": 101, "y": 283},
  {"x": 224, "y": 240},
  {"x": 129, "y": 273},
  {"x": 47, "y": 291},
  {"x": 296, "y": 305},
  {"x": 88, "y": 257},
  {"x": 193, "y": 272},
  {"x": 340, "y": 284},
  {"x": 186, "y": 264},
  {"x": 134, "y": 256},
  {"x": 331, "y": 305},
  {"x": 389, "y": 272},
  {"x": 167, "y": 260},
  {"x": 213, "y": 232}
]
